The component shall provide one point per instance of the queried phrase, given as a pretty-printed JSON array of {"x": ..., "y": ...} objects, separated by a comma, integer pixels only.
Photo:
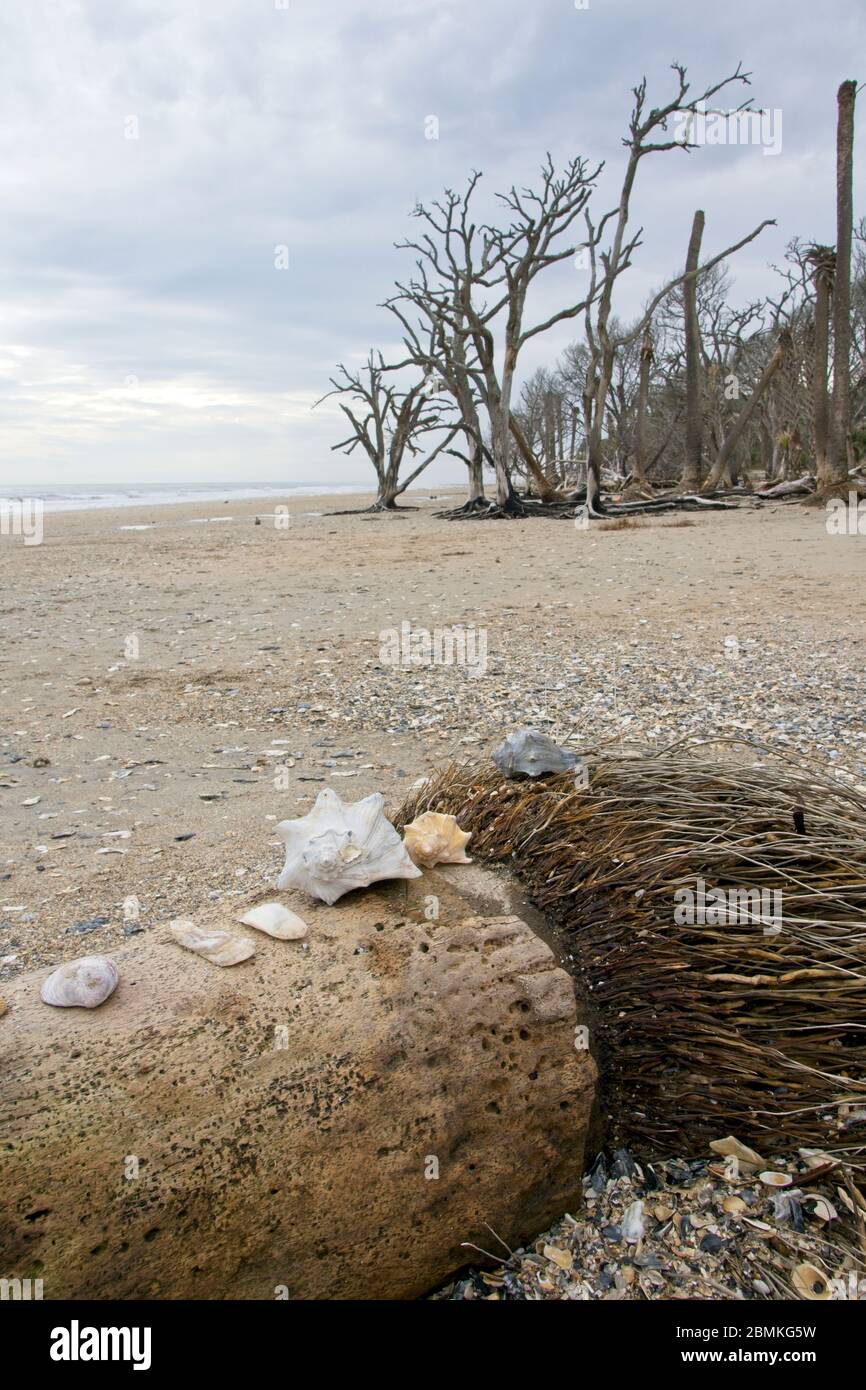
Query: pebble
[{"x": 89, "y": 925}]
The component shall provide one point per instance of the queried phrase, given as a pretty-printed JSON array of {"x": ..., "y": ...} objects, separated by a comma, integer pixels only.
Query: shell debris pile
[{"x": 689, "y": 1230}]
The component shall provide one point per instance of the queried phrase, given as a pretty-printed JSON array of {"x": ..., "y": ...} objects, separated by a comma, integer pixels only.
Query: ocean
[{"x": 77, "y": 497}]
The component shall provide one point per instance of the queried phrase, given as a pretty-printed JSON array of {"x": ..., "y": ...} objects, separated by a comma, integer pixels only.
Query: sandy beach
[{"x": 177, "y": 679}]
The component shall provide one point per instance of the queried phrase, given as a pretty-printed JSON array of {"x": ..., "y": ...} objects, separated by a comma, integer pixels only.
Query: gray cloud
[{"x": 144, "y": 330}]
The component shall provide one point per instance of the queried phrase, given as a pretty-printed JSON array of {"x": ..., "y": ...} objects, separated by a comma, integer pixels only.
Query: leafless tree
[
  {"x": 822, "y": 260},
  {"x": 691, "y": 479},
  {"x": 608, "y": 259},
  {"x": 388, "y": 424},
  {"x": 471, "y": 280},
  {"x": 841, "y": 449}
]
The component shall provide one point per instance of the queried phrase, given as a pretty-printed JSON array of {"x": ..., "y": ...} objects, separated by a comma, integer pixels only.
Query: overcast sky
[{"x": 154, "y": 153}]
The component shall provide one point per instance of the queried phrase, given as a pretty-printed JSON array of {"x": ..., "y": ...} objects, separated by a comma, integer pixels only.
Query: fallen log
[
  {"x": 330, "y": 1119},
  {"x": 804, "y": 486}
]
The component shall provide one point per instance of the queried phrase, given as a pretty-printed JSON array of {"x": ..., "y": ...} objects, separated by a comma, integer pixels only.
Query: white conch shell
[
  {"x": 338, "y": 847},
  {"x": 219, "y": 947},
  {"x": 530, "y": 754},
  {"x": 84, "y": 983},
  {"x": 276, "y": 920},
  {"x": 434, "y": 838}
]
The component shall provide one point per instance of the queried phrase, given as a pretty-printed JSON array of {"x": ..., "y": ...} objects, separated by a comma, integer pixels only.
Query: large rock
[{"x": 325, "y": 1122}]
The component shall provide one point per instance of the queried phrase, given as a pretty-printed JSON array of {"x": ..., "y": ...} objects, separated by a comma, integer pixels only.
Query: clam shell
[
  {"x": 275, "y": 920},
  {"x": 530, "y": 753},
  {"x": 81, "y": 984},
  {"x": 434, "y": 838},
  {"x": 776, "y": 1179},
  {"x": 219, "y": 947},
  {"x": 338, "y": 847},
  {"x": 734, "y": 1205}
]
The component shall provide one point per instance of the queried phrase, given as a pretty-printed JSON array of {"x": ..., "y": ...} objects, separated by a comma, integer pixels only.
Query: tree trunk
[
  {"x": 476, "y": 474},
  {"x": 820, "y": 397},
  {"x": 766, "y": 450},
  {"x": 646, "y": 358},
  {"x": 691, "y": 479},
  {"x": 837, "y": 472},
  {"x": 594, "y": 457},
  {"x": 720, "y": 467},
  {"x": 546, "y": 491}
]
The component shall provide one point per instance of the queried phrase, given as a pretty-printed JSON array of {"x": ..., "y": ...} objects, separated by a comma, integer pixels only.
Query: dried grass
[{"x": 703, "y": 1030}]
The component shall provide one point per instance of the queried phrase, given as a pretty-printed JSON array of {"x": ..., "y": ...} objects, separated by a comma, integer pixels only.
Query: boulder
[{"x": 333, "y": 1118}]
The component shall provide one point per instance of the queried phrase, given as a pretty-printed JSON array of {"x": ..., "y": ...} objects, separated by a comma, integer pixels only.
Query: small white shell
[
  {"x": 435, "y": 838},
  {"x": 219, "y": 947},
  {"x": 275, "y": 920},
  {"x": 84, "y": 983},
  {"x": 338, "y": 847},
  {"x": 771, "y": 1179},
  {"x": 633, "y": 1225}
]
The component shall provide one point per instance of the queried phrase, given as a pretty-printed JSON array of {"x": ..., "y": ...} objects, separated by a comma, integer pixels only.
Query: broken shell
[
  {"x": 732, "y": 1148},
  {"x": 728, "y": 1171},
  {"x": 809, "y": 1282},
  {"x": 219, "y": 947},
  {"x": 633, "y": 1223},
  {"x": 338, "y": 847},
  {"x": 433, "y": 838},
  {"x": 275, "y": 920},
  {"x": 563, "y": 1258},
  {"x": 84, "y": 983},
  {"x": 530, "y": 753},
  {"x": 776, "y": 1179},
  {"x": 821, "y": 1209}
]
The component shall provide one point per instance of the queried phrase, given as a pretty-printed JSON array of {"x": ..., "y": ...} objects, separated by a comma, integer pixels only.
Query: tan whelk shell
[
  {"x": 434, "y": 838},
  {"x": 338, "y": 847},
  {"x": 81, "y": 984},
  {"x": 275, "y": 920},
  {"x": 219, "y": 947}
]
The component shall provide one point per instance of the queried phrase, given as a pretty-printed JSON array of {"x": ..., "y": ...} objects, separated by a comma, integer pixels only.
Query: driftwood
[
  {"x": 800, "y": 487},
  {"x": 330, "y": 1122}
]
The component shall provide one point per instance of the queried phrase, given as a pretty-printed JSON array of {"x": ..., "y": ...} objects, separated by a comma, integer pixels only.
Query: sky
[{"x": 200, "y": 199}]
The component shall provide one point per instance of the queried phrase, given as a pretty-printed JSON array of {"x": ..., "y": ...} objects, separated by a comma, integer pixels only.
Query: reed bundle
[{"x": 711, "y": 1027}]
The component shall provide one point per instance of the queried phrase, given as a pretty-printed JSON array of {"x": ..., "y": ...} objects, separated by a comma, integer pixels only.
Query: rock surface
[{"x": 274, "y": 1130}]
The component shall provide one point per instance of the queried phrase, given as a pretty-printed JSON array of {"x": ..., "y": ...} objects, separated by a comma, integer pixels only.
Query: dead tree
[
  {"x": 640, "y": 448},
  {"x": 822, "y": 259},
  {"x": 459, "y": 264},
  {"x": 691, "y": 479},
  {"x": 444, "y": 354},
  {"x": 388, "y": 424},
  {"x": 608, "y": 263},
  {"x": 841, "y": 449},
  {"x": 726, "y": 452}
]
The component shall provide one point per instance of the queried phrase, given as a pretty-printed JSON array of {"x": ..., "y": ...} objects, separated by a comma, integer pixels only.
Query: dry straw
[{"x": 702, "y": 1030}]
